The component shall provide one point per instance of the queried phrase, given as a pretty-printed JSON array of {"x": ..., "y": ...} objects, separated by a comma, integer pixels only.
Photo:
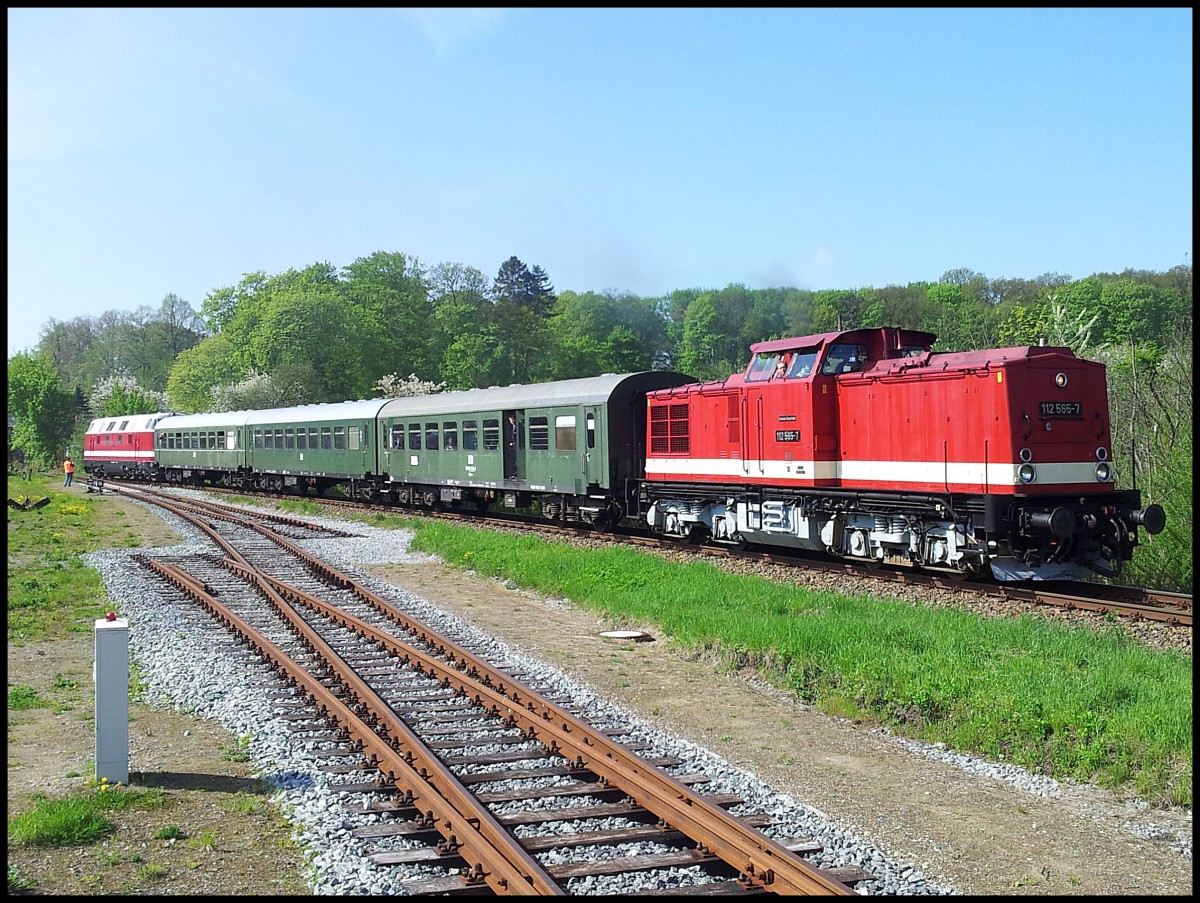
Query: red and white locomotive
[
  {"x": 866, "y": 444},
  {"x": 121, "y": 447}
]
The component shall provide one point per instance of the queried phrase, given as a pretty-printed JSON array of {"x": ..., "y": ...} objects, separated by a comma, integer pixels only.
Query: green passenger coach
[
  {"x": 202, "y": 448},
  {"x": 315, "y": 446},
  {"x": 569, "y": 445}
]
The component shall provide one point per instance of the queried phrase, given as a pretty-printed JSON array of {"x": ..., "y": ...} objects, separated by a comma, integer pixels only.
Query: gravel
[{"x": 181, "y": 669}]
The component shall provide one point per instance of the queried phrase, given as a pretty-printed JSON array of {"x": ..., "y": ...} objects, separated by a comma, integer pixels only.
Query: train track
[
  {"x": 433, "y": 734},
  {"x": 1124, "y": 601}
]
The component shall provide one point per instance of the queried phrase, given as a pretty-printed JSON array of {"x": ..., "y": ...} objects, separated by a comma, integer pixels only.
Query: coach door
[
  {"x": 514, "y": 444},
  {"x": 589, "y": 448}
]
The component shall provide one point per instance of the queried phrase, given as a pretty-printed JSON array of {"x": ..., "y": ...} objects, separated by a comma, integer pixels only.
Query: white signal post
[{"x": 111, "y": 675}]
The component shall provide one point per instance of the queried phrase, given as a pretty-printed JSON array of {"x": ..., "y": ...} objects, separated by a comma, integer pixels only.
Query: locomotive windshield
[{"x": 792, "y": 364}]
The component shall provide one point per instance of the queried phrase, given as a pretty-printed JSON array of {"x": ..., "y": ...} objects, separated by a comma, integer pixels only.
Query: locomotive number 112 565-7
[{"x": 1060, "y": 409}]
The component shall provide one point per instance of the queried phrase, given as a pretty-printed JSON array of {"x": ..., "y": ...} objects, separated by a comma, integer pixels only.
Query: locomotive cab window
[
  {"x": 762, "y": 367},
  {"x": 802, "y": 363},
  {"x": 844, "y": 359}
]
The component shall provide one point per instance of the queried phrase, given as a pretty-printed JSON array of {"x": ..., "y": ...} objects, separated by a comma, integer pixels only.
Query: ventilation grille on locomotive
[{"x": 669, "y": 434}]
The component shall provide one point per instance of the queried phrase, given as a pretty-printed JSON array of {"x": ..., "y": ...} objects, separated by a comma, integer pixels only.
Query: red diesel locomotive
[
  {"x": 121, "y": 447},
  {"x": 865, "y": 444}
]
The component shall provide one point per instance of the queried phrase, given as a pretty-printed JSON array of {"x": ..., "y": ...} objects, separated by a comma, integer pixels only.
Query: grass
[
  {"x": 1067, "y": 702},
  {"x": 79, "y": 819},
  {"x": 50, "y": 591}
]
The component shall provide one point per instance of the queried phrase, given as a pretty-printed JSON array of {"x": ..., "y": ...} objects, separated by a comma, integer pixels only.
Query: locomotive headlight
[
  {"x": 1060, "y": 380},
  {"x": 1026, "y": 473},
  {"x": 1101, "y": 453},
  {"x": 1104, "y": 472}
]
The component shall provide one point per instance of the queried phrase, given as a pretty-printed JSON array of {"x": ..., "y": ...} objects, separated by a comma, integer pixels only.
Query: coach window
[
  {"x": 301, "y": 437},
  {"x": 431, "y": 436},
  {"x": 398, "y": 436},
  {"x": 352, "y": 437},
  {"x": 470, "y": 434},
  {"x": 220, "y": 443},
  {"x": 591, "y": 430},
  {"x": 279, "y": 438},
  {"x": 312, "y": 438},
  {"x": 339, "y": 437},
  {"x": 203, "y": 440},
  {"x": 212, "y": 439},
  {"x": 491, "y": 434},
  {"x": 289, "y": 438},
  {"x": 539, "y": 433},
  {"x": 450, "y": 434},
  {"x": 269, "y": 437},
  {"x": 564, "y": 432},
  {"x": 414, "y": 436},
  {"x": 326, "y": 437}
]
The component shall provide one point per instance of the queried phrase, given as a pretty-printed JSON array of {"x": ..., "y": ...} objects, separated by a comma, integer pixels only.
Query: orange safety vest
[{"x": 69, "y": 466}]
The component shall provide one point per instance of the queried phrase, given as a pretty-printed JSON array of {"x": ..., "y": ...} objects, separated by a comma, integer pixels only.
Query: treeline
[{"x": 326, "y": 334}]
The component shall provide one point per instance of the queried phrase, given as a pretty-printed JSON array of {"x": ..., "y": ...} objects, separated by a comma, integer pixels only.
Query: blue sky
[{"x": 160, "y": 151}]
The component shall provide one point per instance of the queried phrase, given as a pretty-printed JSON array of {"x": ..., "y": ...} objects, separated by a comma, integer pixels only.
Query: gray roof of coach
[
  {"x": 338, "y": 410},
  {"x": 587, "y": 390},
  {"x": 202, "y": 421}
]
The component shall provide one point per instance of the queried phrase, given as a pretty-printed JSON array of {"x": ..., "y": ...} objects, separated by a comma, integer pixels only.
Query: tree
[
  {"x": 200, "y": 369},
  {"x": 392, "y": 386},
  {"x": 698, "y": 351},
  {"x": 288, "y": 385},
  {"x": 393, "y": 295},
  {"x": 43, "y": 410},
  {"x": 122, "y": 395},
  {"x": 221, "y": 304},
  {"x": 527, "y": 288}
]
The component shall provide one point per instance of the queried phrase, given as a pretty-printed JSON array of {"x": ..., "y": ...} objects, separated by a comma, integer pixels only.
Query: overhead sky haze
[{"x": 164, "y": 151}]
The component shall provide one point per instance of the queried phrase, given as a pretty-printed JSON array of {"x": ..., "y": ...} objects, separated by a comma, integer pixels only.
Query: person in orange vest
[{"x": 69, "y": 467}]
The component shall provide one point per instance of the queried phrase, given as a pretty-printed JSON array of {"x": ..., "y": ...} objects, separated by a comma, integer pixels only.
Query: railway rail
[
  {"x": 1125, "y": 601},
  {"x": 428, "y": 726}
]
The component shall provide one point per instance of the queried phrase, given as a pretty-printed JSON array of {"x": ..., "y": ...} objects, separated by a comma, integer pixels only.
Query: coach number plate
[{"x": 1060, "y": 409}]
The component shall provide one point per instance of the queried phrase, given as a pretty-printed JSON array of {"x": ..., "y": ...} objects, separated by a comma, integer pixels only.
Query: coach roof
[{"x": 587, "y": 390}]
